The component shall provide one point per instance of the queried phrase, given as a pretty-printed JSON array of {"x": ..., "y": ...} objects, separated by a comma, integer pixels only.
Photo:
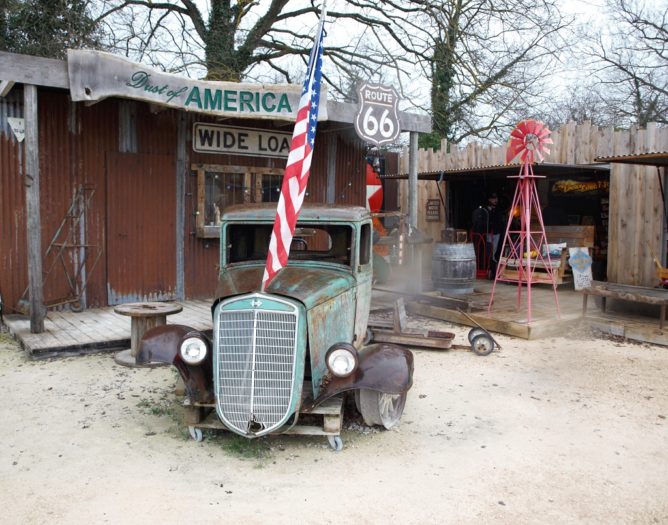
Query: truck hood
[{"x": 311, "y": 286}]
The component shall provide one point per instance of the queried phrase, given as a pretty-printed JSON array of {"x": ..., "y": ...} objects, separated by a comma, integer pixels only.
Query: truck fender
[
  {"x": 161, "y": 345},
  {"x": 383, "y": 367}
]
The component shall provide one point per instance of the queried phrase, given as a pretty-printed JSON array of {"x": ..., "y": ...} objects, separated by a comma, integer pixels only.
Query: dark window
[
  {"x": 271, "y": 187},
  {"x": 311, "y": 242},
  {"x": 365, "y": 244}
]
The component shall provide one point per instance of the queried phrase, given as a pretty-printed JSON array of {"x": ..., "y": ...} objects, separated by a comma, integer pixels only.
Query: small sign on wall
[
  {"x": 433, "y": 213},
  {"x": 212, "y": 138},
  {"x": 18, "y": 127}
]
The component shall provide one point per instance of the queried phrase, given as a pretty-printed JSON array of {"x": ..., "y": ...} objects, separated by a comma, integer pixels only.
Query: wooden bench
[
  {"x": 573, "y": 236},
  {"x": 627, "y": 292}
]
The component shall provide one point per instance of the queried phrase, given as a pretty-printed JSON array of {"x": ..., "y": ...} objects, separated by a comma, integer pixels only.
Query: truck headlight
[
  {"x": 341, "y": 359},
  {"x": 193, "y": 350}
]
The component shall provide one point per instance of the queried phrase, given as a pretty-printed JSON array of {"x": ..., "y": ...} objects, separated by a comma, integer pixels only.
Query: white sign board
[
  {"x": 580, "y": 261},
  {"x": 377, "y": 119},
  {"x": 18, "y": 127},
  {"x": 212, "y": 138}
]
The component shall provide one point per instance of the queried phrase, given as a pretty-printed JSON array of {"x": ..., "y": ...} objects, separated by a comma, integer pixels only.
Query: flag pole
[{"x": 298, "y": 166}]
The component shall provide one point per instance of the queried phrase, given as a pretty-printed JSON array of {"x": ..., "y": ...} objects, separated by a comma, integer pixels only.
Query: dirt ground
[{"x": 565, "y": 430}]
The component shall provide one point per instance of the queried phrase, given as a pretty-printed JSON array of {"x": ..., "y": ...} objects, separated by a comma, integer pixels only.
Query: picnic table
[{"x": 627, "y": 292}]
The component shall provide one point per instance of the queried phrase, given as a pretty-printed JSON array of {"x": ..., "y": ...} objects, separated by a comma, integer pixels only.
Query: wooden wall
[{"x": 636, "y": 223}]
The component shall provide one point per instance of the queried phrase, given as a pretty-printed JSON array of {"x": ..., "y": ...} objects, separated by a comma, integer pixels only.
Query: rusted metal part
[
  {"x": 385, "y": 368},
  {"x": 161, "y": 345},
  {"x": 310, "y": 285},
  {"x": 329, "y": 323},
  {"x": 362, "y": 304}
]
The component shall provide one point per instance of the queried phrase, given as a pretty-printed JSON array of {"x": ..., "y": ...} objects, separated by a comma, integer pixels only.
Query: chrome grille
[{"x": 254, "y": 367}]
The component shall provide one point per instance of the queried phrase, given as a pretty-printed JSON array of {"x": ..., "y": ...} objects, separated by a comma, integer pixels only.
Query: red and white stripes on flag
[{"x": 298, "y": 167}]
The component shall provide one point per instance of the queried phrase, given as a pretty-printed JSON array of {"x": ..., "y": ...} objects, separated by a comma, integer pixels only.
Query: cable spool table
[{"x": 143, "y": 317}]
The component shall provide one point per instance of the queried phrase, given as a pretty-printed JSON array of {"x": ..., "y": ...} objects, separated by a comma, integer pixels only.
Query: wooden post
[
  {"x": 412, "y": 207},
  {"x": 31, "y": 181},
  {"x": 181, "y": 131},
  {"x": 412, "y": 180}
]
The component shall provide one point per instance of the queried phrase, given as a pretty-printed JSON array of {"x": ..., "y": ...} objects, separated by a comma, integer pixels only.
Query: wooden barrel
[{"x": 453, "y": 268}]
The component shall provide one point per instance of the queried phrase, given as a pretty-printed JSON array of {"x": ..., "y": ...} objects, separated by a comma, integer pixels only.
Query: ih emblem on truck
[{"x": 256, "y": 303}]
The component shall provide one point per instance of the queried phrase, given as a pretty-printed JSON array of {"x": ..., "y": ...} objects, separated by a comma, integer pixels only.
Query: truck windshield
[{"x": 311, "y": 242}]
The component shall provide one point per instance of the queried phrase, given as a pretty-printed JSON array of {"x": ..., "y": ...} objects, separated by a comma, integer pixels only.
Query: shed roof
[
  {"x": 49, "y": 72},
  {"x": 505, "y": 170},
  {"x": 659, "y": 158}
]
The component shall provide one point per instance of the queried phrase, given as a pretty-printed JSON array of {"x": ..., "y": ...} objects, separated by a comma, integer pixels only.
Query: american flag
[{"x": 298, "y": 167}]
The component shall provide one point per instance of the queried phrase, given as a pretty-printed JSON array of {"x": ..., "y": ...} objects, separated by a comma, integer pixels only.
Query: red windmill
[{"x": 522, "y": 247}]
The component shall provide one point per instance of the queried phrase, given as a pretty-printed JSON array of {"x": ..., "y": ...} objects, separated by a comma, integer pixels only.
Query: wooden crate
[{"x": 329, "y": 414}]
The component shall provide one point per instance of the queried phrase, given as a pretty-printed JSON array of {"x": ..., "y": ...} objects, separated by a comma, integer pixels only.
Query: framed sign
[
  {"x": 433, "y": 213},
  {"x": 212, "y": 138}
]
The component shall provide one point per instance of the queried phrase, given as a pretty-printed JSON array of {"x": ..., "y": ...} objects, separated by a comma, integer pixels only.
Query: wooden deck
[
  {"x": 101, "y": 329},
  {"x": 505, "y": 318},
  {"x": 94, "y": 330}
]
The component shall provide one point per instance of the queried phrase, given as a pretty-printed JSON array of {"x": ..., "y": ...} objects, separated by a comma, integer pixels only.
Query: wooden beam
[
  {"x": 346, "y": 112},
  {"x": 5, "y": 87},
  {"x": 201, "y": 201},
  {"x": 127, "y": 126},
  {"x": 36, "y": 71},
  {"x": 181, "y": 175},
  {"x": 31, "y": 181},
  {"x": 453, "y": 316}
]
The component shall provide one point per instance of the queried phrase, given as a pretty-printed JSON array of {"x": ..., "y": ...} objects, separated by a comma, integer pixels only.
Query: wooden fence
[{"x": 636, "y": 216}]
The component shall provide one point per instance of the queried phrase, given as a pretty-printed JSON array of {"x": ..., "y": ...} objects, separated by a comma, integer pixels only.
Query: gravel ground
[{"x": 564, "y": 430}]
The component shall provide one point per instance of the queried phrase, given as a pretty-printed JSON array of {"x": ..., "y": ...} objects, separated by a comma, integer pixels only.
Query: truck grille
[{"x": 254, "y": 364}]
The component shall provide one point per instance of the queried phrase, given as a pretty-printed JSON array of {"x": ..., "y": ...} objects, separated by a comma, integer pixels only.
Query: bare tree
[
  {"x": 632, "y": 62},
  {"x": 469, "y": 62},
  {"x": 487, "y": 61}
]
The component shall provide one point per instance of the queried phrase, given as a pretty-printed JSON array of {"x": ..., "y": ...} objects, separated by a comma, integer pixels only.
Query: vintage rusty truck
[{"x": 282, "y": 357}]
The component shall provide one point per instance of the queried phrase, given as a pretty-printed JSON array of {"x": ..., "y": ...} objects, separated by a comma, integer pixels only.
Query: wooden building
[
  {"x": 115, "y": 193},
  {"x": 625, "y": 201}
]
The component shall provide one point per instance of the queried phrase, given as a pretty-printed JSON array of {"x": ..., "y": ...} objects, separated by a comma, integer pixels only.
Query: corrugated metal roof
[
  {"x": 503, "y": 170},
  {"x": 657, "y": 158}
]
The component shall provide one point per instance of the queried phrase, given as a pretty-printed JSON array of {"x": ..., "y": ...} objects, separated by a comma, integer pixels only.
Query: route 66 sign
[{"x": 377, "y": 119}]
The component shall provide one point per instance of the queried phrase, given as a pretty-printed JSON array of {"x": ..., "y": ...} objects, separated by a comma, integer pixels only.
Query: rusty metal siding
[
  {"x": 350, "y": 167},
  {"x": 156, "y": 131},
  {"x": 141, "y": 235},
  {"x": 13, "y": 242},
  {"x": 96, "y": 133},
  {"x": 350, "y": 170},
  {"x": 74, "y": 142}
]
